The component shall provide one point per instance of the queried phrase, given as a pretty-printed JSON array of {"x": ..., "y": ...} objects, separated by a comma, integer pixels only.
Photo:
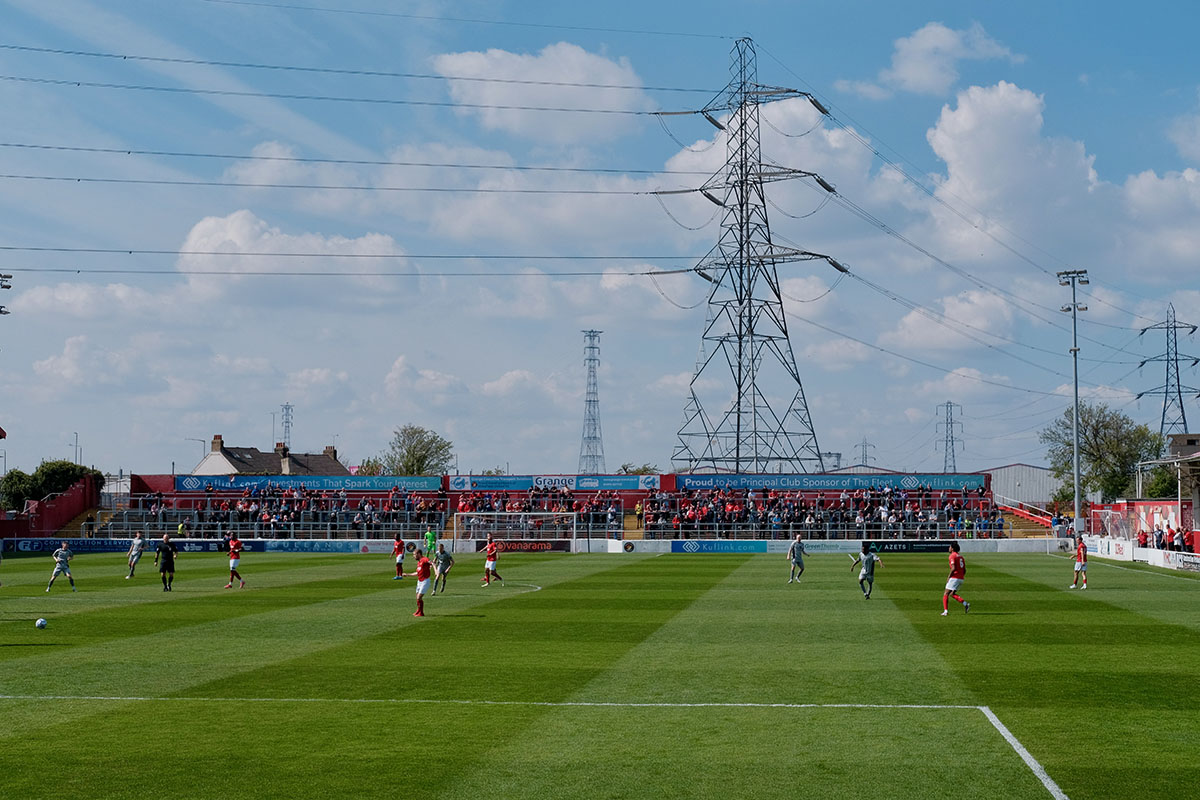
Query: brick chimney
[
  {"x": 285, "y": 463},
  {"x": 331, "y": 451},
  {"x": 217, "y": 443}
]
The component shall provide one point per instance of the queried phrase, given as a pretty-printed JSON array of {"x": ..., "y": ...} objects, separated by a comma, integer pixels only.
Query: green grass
[{"x": 256, "y": 692}]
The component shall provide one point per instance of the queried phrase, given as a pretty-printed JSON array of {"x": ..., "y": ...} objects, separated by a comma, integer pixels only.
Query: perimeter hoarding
[
  {"x": 313, "y": 483},
  {"x": 938, "y": 482},
  {"x": 717, "y": 546},
  {"x": 527, "y": 545},
  {"x": 573, "y": 483}
]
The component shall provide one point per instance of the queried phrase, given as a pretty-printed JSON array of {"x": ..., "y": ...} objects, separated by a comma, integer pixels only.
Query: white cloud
[
  {"x": 927, "y": 61},
  {"x": 244, "y": 232},
  {"x": 963, "y": 382},
  {"x": 84, "y": 362},
  {"x": 1184, "y": 133},
  {"x": 983, "y": 312},
  {"x": 836, "y": 355},
  {"x": 562, "y": 62},
  {"x": 88, "y": 300},
  {"x": 864, "y": 89}
]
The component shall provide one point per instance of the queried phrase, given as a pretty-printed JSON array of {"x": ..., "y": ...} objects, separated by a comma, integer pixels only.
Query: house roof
[{"x": 253, "y": 460}]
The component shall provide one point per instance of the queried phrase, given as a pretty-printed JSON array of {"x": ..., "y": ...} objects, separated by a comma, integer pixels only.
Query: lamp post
[
  {"x": 1073, "y": 278},
  {"x": 201, "y": 441}
]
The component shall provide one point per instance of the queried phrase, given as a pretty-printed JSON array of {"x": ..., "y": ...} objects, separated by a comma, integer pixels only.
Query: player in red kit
[
  {"x": 424, "y": 569},
  {"x": 235, "y": 558},
  {"x": 1080, "y": 564},
  {"x": 958, "y": 572},
  {"x": 491, "y": 551},
  {"x": 398, "y": 552}
]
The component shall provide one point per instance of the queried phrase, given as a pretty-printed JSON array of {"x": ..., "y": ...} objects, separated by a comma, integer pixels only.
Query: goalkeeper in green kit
[{"x": 430, "y": 542}]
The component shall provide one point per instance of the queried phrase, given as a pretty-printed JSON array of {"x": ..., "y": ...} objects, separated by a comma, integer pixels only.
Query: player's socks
[
  {"x": 958, "y": 599},
  {"x": 945, "y": 604},
  {"x": 421, "y": 606},
  {"x": 243, "y": 586}
]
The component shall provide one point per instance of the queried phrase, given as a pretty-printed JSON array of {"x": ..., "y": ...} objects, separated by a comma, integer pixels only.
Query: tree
[
  {"x": 494, "y": 471},
  {"x": 1161, "y": 482},
  {"x": 1110, "y": 446},
  {"x": 372, "y": 465},
  {"x": 49, "y": 478},
  {"x": 417, "y": 451},
  {"x": 645, "y": 469}
]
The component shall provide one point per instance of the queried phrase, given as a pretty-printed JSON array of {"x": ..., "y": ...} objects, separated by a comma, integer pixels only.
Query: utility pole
[
  {"x": 948, "y": 442},
  {"x": 1074, "y": 278},
  {"x": 4, "y": 284},
  {"x": 747, "y": 370},
  {"x": 1174, "y": 417},
  {"x": 591, "y": 449}
]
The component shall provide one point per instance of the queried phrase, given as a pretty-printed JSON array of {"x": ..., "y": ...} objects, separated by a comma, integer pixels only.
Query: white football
[{"x": 41, "y": 623}]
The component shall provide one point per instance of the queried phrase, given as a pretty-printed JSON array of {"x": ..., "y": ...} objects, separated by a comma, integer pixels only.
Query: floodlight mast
[{"x": 1072, "y": 278}]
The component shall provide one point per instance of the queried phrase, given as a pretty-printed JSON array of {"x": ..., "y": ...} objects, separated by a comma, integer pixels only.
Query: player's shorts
[
  {"x": 166, "y": 566},
  {"x": 1081, "y": 566},
  {"x": 953, "y": 584},
  {"x": 869, "y": 577},
  {"x": 61, "y": 569},
  {"x": 233, "y": 562},
  {"x": 136, "y": 557},
  {"x": 423, "y": 586},
  {"x": 799, "y": 562},
  {"x": 490, "y": 565},
  {"x": 399, "y": 559}
]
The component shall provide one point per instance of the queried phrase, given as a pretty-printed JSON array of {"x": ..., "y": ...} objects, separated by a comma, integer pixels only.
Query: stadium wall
[{"x": 460, "y": 546}]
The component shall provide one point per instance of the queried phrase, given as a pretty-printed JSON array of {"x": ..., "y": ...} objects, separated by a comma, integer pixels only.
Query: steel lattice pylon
[
  {"x": 949, "y": 442},
  {"x": 746, "y": 365},
  {"x": 591, "y": 450},
  {"x": 1174, "y": 418}
]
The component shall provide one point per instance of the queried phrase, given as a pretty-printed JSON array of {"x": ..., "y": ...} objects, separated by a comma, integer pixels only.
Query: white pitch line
[
  {"x": 414, "y": 700},
  {"x": 1029, "y": 760},
  {"x": 1034, "y": 765}
]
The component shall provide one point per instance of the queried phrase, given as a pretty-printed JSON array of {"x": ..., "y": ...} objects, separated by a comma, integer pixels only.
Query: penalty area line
[{"x": 1034, "y": 765}]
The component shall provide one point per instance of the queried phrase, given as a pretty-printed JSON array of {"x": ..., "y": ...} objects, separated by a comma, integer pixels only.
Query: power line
[
  {"x": 471, "y": 20},
  {"x": 941, "y": 201},
  {"x": 956, "y": 372},
  {"x": 341, "y": 71},
  {"x": 345, "y": 161},
  {"x": 392, "y": 101},
  {"x": 340, "y": 187},
  {"x": 168, "y": 272},
  {"x": 313, "y": 254}
]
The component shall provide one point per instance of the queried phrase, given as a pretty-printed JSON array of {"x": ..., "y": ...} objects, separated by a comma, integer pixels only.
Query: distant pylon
[
  {"x": 862, "y": 447},
  {"x": 1174, "y": 419},
  {"x": 747, "y": 374},
  {"x": 287, "y": 425},
  {"x": 591, "y": 450},
  {"x": 948, "y": 442}
]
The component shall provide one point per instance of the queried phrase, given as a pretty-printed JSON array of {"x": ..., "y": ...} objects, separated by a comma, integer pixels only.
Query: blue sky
[{"x": 1048, "y": 135}]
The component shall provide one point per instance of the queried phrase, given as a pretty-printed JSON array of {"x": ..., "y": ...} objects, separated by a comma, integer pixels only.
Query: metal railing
[{"x": 308, "y": 525}]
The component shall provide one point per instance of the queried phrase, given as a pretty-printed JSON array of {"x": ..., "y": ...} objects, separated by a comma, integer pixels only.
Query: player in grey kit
[
  {"x": 866, "y": 576},
  {"x": 795, "y": 555},
  {"x": 62, "y": 566},
  {"x": 135, "y": 553}
]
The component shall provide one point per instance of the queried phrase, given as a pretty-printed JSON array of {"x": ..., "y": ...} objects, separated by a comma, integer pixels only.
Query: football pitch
[{"x": 598, "y": 676}]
